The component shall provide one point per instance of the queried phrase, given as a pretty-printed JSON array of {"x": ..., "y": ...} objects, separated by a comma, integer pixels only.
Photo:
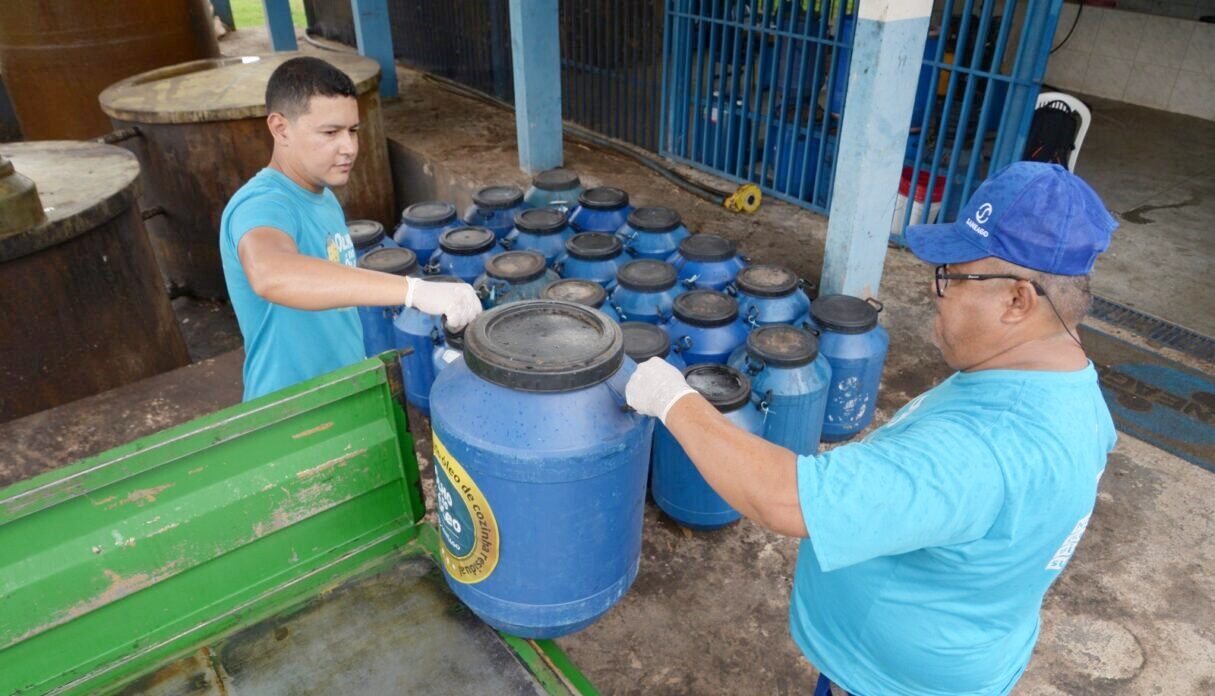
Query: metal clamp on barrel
[{"x": 682, "y": 344}]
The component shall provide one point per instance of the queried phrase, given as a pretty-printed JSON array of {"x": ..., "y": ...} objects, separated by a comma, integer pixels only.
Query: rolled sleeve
[{"x": 934, "y": 484}]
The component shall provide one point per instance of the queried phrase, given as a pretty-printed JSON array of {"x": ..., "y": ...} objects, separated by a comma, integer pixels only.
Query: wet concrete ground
[{"x": 1134, "y": 612}]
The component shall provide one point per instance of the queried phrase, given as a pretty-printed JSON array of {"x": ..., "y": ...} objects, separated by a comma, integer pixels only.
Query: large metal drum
[
  {"x": 82, "y": 308},
  {"x": 203, "y": 135},
  {"x": 58, "y": 55},
  {"x": 539, "y": 469}
]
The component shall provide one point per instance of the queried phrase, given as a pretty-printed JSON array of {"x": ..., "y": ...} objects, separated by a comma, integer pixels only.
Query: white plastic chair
[{"x": 1078, "y": 107}]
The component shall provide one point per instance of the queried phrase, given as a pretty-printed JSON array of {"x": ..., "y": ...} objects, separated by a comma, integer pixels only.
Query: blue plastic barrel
[
  {"x": 643, "y": 341},
  {"x": 592, "y": 256},
  {"x": 601, "y": 209},
  {"x": 790, "y": 379},
  {"x": 707, "y": 262},
  {"x": 377, "y": 321},
  {"x": 420, "y": 333},
  {"x": 494, "y": 207},
  {"x": 513, "y": 276},
  {"x": 705, "y": 327},
  {"x": 463, "y": 252},
  {"x": 554, "y": 188},
  {"x": 421, "y": 225},
  {"x": 652, "y": 233},
  {"x": 855, "y": 346},
  {"x": 540, "y": 229},
  {"x": 367, "y": 236},
  {"x": 539, "y": 469},
  {"x": 678, "y": 488},
  {"x": 645, "y": 291},
  {"x": 584, "y": 292},
  {"x": 770, "y": 294},
  {"x": 449, "y": 349}
]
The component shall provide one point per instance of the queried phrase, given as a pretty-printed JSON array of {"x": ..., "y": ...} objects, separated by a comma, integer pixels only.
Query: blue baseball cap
[{"x": 1032, "y": 214}]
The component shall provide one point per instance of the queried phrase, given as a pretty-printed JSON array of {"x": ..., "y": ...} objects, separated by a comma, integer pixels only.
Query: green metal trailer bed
[{"x": 274, "y": 547}]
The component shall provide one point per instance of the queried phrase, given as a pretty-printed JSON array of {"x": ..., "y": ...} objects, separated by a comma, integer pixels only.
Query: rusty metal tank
[
  {"x": 57, "y": 55},
  {"x": 202, "y": 134},
  {"x": 82, "y": 307}
]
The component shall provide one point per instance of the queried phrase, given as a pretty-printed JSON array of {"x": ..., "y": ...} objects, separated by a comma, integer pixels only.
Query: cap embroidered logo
[{"x": 983, "y": 213}]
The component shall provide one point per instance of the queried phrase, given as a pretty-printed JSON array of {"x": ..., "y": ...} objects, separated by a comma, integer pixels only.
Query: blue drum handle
[
  {"x": 873, "y": 302},
  {"x": 627, "y": 240},
  {"x": 626, "y": 372},
  {"x": 763, "y": 403},
  {"x": 619, "y": 311},
  {"x": 731, "y": 289},
  {"x": 506, "y": 242},
  {"x": 807, "y": 326},
  {"x": 754, "y": 365},
  {"x": 752, "y": 315},
  {"x": 682, "y": 344}
]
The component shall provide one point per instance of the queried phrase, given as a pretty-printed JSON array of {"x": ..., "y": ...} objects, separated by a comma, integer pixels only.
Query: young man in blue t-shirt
[
  {"x": 928, "y": 547},
  {"x": 288, "y": 259}
]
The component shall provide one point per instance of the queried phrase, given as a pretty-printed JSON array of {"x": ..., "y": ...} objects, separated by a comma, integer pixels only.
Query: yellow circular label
[{"x": 466, "y": 523}]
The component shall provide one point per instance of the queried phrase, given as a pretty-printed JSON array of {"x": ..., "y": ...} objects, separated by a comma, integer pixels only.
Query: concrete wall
[{"x": 1159, "y": 62}]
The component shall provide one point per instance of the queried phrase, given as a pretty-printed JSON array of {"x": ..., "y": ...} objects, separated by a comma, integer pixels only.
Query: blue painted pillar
[
  {"x": 536, "y": 46},
  {"x": 882, "y": 81},
  {"x": 374, "y": 36},
  {"x": 223, "y": 10},
  {"x": 282, "y": 29}
]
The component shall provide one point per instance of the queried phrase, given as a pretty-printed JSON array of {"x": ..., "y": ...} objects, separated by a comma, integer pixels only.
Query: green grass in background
[{"x": 251, "y": 13}]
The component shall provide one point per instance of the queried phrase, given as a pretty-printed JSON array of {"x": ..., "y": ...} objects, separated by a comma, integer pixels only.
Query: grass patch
[{"x": 251, "y": 13}]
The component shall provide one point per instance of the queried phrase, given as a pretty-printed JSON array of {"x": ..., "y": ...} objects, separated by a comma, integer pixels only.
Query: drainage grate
[{"x": 1155, "y": 329}]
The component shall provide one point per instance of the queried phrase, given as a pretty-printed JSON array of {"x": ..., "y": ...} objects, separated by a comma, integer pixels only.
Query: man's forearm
[
  {"x": 756, "y": 477},
  {"x": 302, "y": 282}
]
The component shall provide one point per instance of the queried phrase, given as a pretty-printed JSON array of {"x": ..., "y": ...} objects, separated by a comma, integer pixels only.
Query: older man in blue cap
[{"x": 928, "y": 547}]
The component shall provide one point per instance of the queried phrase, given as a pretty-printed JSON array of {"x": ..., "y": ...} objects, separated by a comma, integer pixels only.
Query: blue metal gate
[{"x": 755, "y": 90}]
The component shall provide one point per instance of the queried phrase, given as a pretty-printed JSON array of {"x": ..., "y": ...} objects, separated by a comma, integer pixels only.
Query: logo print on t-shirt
[
  {"x": 340, "y": 249},
  {"x": 1064, "y": 554}
]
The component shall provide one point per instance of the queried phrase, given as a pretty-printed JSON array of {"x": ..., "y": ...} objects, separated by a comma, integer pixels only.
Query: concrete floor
[{"x": 1135, "y": 611}]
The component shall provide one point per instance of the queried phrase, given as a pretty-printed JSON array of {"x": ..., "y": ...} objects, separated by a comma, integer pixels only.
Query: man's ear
[
  {"x": 278, "y": 125},
  {"x": 1022, "y": 301}
]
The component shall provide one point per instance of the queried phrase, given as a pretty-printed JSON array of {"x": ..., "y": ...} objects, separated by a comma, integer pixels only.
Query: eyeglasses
[{"x": 943, "y": 278}]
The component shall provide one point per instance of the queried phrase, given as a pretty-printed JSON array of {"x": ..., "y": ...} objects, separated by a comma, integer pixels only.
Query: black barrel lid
[
  {"x": 365, "y": 233},
  {"x": 724, "y": 387},
  {"x": 654, "y": 219},
  {"x": 516, "y": 266},
  {"x": 707, "y": 247},
  {"x": 390, "y": 260},
  {"x": 541, "y": 220},
  {"x": 766, "y": 280},
  {"x": 706, "y": 308},
  {"x": 498, "y": 197},
  {"x": 782, "y": 345},
  {"x": 594, "y": 246},
  {"x": 543, "y": 346},
  {"x": 844, "y": 314},
  {"x": 443, "y": 279},
  {"x": 576, "y": 290},
  {"x": 557, "y": 179},
  {"x": 647, "y": 275},
  {"x": 643, "y": 341},
  {"x": 454, "y": 338},
  {"x": 603, "y": 198},
  {"x": 429, "y": 214},
  {"x": 467, "y": 241}
]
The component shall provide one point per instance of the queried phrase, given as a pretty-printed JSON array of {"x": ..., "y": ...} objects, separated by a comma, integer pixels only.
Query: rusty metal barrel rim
[
  {"x": 215, "y": 89},
  {"x": 82, "y": 185}
]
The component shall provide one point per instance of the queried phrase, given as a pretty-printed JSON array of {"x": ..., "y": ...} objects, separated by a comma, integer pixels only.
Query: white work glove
[
  {"x": 655, "y": 387},
  {"x": 457, "y": 302}
]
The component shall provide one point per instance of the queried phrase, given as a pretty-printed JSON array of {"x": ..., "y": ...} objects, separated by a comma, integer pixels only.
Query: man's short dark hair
[{"x": 297, "y": 80}]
